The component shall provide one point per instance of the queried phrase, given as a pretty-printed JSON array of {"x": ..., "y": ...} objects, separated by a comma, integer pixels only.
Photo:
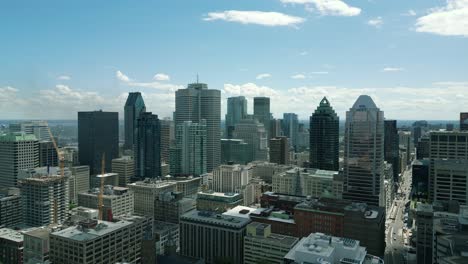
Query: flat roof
[
  {"x": 240, "y": 211},
  {"x": 211, "y": 218},
  {"x": 79, "y": 234},
  {"x": 14, "y": 235}
]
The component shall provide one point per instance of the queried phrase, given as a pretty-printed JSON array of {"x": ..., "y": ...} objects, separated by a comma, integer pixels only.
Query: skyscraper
[
  {"x": 18, "y": 151},
  {"x": 167, "y": 138},
  {"x": 279, "y": 150},
  {"x": 38, "y": 128},
  {"x": 391, "y": 146},
  {"x": 464, "y": 121},
  {"x": 147, "y": 146},
  {"x": 364, "y": 152},
  {"x": 236, "y": 111},
  {"x": 98, "y": 134},
  {"x": 133, "y": 108},
  {"x": 189, "y": 155},
  {"x": 324, "y": 138},
  {"x": 47, "y": 154},
  {"x": 262, "y": 111},
  {"x": 291, "y": 128},
  {"x": 253, "y": 133},
  {"x": 195, "y": 103}
]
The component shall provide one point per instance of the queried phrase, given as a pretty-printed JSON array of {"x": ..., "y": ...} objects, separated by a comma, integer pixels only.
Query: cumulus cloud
[
  {"x": 298, "y": 76},
  {"x": 263, "y": 76},
  {"x": 450, "y": 20},
  {"x": 161, "y": 77},
  {"x": 64, "y": 78},
  {"x": 392, "y": 69},
  {"x": 255, "y": 17},
  {"x": 327, "y": 7},
  {"x": 375, "y": 22},
  {"x": 319, "y": 72},
  {"x": 249, "y": 90},
  {"x": 122, "y": 77}
]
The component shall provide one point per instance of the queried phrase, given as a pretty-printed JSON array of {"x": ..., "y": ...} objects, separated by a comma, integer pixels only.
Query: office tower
[
  {"x": 291, "y": 128},
  {"x": 134, "y": 106},
  {"x": 167, "y": 138},
  {"x": 105, "y": 242},
  {"x": 125, "y": 168},
  {"x": 235, "y": 151},
  {"x": 262, "y": 112},
  {"x": 38, "y": 128},
  {"x": 329, "y": 249},
  {"x": 227, "y": 232},
  {"x": 422, "y": 148},
  {"x": 98, "y": 136},
  {"x": 263, "y": 246},
  {"x": 448, "y": 174},
  {"x": 36, "y": 246},
  {"x": 18, "y": 151},
  {"x": 230, "y": 178},
  {"x": 425, "y": 233},
  {"x": 10, "y": 207},
  {"x": 324, "y": 137},
  {"x": 303, "y": 138},
  {"x": 279, "y": 150},
  {"x": 391, "y": 147},
  {"x": 196, "y": 103},
  {"x": 45, "y": 200},
  {"x": 364, "y": 152},
  {"x": 116, "y": 201},
  {"x": 79, "y": 182},
  {"x": 47, "y": 154},
  {"x": 275, "y": 128},
  {"x": 169, "y": 206},
  {"x": 147, "y": 147},
  {"x": 419, "y": 129},
  {"x": 146, "y": 192},
  {"x": 464, "y": 121},
  {"x": 189, "y": 155},
  {"x": 404, "y": 138},
  {"x": 253, "y": 133},
  {"x": 236, "y": 111}
]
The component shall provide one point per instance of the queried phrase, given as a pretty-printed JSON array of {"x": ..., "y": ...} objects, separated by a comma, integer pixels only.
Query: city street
[{"x": 395, "y": 249}]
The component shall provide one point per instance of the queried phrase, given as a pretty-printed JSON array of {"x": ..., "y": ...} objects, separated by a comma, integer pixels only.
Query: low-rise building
[
  {"x": 10, "y": 207},
  {"x": 169, "y": 206},
  {"x": 167, "y": 237},
  {"x": 218, "y": 202},
  {"x": 36, "y": 246},
  {"x": 124, "y": 167},
  {"x": 116, "y": 201},
  {"x": 145, "y": 193}
]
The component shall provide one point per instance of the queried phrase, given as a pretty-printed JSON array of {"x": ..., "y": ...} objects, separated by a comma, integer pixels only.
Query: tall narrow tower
[
  {"x": 236, "y": 111},
  {"x": 148, "y": 146},
  {"x": 133, "y": 108},
  {"x": 364, "y": 152}
]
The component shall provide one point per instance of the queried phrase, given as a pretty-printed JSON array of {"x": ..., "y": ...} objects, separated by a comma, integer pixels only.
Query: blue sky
[{"x": 59, "y": 57}]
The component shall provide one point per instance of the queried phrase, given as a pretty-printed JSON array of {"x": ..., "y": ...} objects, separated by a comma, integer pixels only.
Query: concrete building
[
  {"x": 391, "y": 146},
  {"x": 324, "y": 137},
  {"x": 253, "y": 132},
  {"x": 189, "y": 155},
  {"x": 117, "y": 201},
  {"x": 167, "y": 237},
  {"x": 263, "y": 246},
  {"x": 11, "y": 245},
  {"x": 389, "y": 187},
  {"x": 45, "y": 200},
  {"x": 134, "y": 106},
  {"x": 230, "y": 178},
  {"x": 125, "y": 168},
  {"x": 262, "y": 113},
  {"x": 146, "y": 192},
  {"x": 275, "y": 128},
  {"x": 79, "y": 182},
  {"x": 196, "y": 103},
  {"x": 212, "y": 237},
  {"x": 364, "y": 152},
  {"x": 98, "y": 242},
  {"x": 236, "y": 111},
  {"x": 11, "y": 213},
  {"x": 321, "y": 248},
  {"x": 406, "y": 141},
  {"x": 147, "y": 156},
  {"x": 38, "y": 128},
  {"x": 266, "y": 170},
  {"x": 18, "y": 151},
  {"x": 98, "y": 137},
  {"x": 218, "y": 202},
  {"x": 47, "y": 154},
  {"x": 423, "y": 148},
  {"x": 36, "y": 246},
  {"x": 424, "y": 233},
  {"x": 167, "y": 138},
  {"x": 235, "y": 151},
  {"x": 169, "y": 206},
  {"x": 188, "y": 185},
  {"x": 291, "y": 129},
  {"x": 279, "y": 150}
]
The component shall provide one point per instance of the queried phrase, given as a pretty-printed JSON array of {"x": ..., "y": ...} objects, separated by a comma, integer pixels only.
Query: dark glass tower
[
  {"x": 236, "y": 111},
  {"x": 98, "y": 134},
  {"x": 391, "y": 147},
  {"x": 262, "y": 111},
  {"x": 133, "y": 108},
  {"x": 148, "y": 146},
  {"x": 324, "y": 137}
]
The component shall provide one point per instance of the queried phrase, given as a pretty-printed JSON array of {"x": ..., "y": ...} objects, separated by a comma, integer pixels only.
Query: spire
[{"x": 324, "y": 102}]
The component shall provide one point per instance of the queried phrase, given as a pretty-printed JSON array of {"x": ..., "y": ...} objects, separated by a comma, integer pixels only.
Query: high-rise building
[
  {"x": 116, "y": 201},
  {"x": 236, "y": 111},
  {"x": 125, "y": 168},
  {"x": 391, "y": 147},
  {"x": 134, "y": 106},
  {"x": 226, "y": 233},
  {"x": 167, "y": 138},
  {"x": 45, "y": 200},
  {"x": 47, "y": 154},
  {"x": 404, "y": 139},
  {"x": 253, "y": 133},
  {"x": 169, "y": 206},
  {"x": 279, "y": 150},
  {"x": 147, "y": 147},
  {"x": 196, "y": 103},
  {"x": 98, "y": 136},
  {"x": 324, "y": 138},
  {"x": 464, "y": 121},
  {"x": 189, "y": 155},
  {"x": 235, "y": 151},
  {"x": 79, "y": 182},
  {"x": 10, "y": 207},
  {"x": 230, "y": 178},
  {"x": 291, "y": 128},
  {"x": 364, "y": 152},
  {"x": 423, "y": 148},
  {"x": 38, "y": 128},
  {"x": 18, "y": 151},
  {"x": 146, "y": 192},
  {"x": 275, "y": 128},
  {"x": 262, "y": 112},
  {"x": 425, "y": 233}
]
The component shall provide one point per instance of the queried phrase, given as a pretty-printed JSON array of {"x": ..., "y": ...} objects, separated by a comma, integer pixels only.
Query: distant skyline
[{"x": 61, "y": 57}]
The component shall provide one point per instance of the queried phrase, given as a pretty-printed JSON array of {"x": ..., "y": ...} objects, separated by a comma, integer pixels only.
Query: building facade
[
  {"x": 134, "y": 106},
  {"x": 236, "y": 111},
  {"x": 116, "y": 201},
  {"x": 279, "y": 150},
  {"x": 254, "y": 134},
  {"x": 11, "y": 213},
  {"x": 125, "y": 168},
  {"x": 230, "y": 178},
  {"x": 391, "y": 146},
  {"x": 147, "y": 147}
]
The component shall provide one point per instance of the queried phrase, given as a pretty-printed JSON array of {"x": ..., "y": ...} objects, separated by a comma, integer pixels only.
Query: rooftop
[
  {"x": 79, "y": 233},
  {"x": 14, "y": 235},
  {"x": 364, "y": 101},
  {"x": 17, "y": 136},
  {"x": 211, "y": 218}
]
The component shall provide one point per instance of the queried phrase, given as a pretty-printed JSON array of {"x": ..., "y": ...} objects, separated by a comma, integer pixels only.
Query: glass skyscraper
[
  {"x": 392, "y": 147},
  {"x": 147, "y": 154},
  {"x": 236, "y": 111},
  {"x": 291, "y": 128},
  {"x": 262, "y": 111},
  {"x": 133, "y": 108}
]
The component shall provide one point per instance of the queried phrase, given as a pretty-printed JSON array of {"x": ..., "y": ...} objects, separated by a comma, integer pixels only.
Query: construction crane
[
  {"x": 62, "y": 169},
  {"x": 101, "y": 188}
]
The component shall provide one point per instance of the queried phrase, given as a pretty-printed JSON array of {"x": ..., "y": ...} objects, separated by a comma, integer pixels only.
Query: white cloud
[
  {"x": 392, "y": 69},
  {"x": 319, "y": 72},
  {"x": 161, "y": 77},
  {"x": 327, "y": 7},
  {"x": 263, "y": 76},
  {"x": 255, "y": 17},
  {"x": 451, "y": 20},
  {"x": 410, "y": 12},
  {"x": 64, "y": 78},
  {"x": 122, "y": 77},
  {"x": 249, "y": 90},
  {"x": 304, "y": 53},
  {"x": 375, "y": 22},
  {"x": 298, "y": 76}
]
